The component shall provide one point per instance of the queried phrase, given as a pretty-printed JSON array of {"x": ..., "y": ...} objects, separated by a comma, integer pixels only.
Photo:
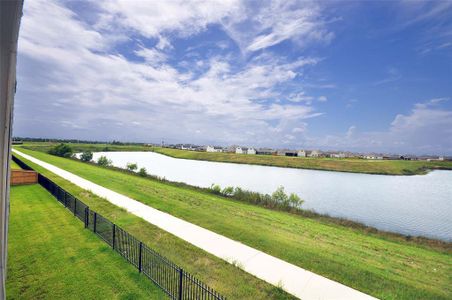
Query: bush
[
  {"x": 278, "y": 200},
  {"x": 295, "y": 201},
  {"x": 132, "y": 166},
  {"x": 215, "y": 188},
  {"x": 86, "y": 156},
  {"x": 280, "y": 197},
  {"x": 142, "y": 172},
  {"x": 62, "y": 150},
  {"x": 104, "y": 161},
  {"x": 228, "y": 191}
]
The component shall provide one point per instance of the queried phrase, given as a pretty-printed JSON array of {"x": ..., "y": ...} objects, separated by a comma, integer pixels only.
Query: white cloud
[
  {"x": 109, "y": 93},
  {"x": 414, "y": 132},
  {"x": 270, "y": 23}
]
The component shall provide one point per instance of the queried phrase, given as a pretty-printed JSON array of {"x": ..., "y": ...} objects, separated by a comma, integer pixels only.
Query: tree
[
  {"x": 295, "y": 201},
  {"x": 86, "y": 156},
  {"x": 62, "y": 150},
  {"x": 142, "y": 172},
  {"x": 280, "y": 197},
  {"x": 104, "y": 161},
  {"x": 132, "y": 166},
  {"x": 215, "y": 188}
]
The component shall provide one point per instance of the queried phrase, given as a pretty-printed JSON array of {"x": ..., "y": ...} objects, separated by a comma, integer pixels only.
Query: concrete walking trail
[{"x": 294, "y": 280}]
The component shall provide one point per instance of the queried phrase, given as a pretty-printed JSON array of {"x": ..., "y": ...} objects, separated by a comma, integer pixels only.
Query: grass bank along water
[
  {"x": 384, "y": 167},
  {"x": 387, "y": 267},
  {"x": 411, "y": 205}
]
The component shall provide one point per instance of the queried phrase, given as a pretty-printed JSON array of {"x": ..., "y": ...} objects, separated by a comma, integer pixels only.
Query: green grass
[
  {"x": 223, "y": 277},
  {"x": 385, "y": 267},
  {"x": 14, "y": 166},
  {"x": 51, "y": 255},
  {"x": 385, "y": 167}
]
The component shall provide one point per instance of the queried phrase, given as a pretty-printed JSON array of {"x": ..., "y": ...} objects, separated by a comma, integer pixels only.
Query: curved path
[{"x": 295, "y": 280}]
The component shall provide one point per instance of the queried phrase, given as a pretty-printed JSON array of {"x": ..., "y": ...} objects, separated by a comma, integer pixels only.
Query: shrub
[
  {"x": 142, "y": 172},
  {"x": 86, "y": 156},
  {"x": 104, "y": 161},
  {"x": 215, "y": 188},
  {"x": 228, "y": 191},
  {"x": 62, "y": 150},
  {"x": 280, "y": 197},
  {"x": 295, "y": 201},
  {"x": 132, "y": 166}
]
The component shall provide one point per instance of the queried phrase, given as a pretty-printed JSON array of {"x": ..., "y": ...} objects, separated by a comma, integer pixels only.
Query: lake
[{"x": 411, "y": 205}]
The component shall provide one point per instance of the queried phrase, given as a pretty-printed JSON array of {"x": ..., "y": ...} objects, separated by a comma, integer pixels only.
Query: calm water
[{"x": 413, "y": 205}]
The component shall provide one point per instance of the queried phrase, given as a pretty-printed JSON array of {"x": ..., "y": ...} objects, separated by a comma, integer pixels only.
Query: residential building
[
  {"x": 301, "y": 153},
  {"x": 251, "y": 151}
]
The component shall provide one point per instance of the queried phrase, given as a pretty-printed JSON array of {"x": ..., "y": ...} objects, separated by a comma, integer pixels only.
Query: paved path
[{"x": 295, "y": 280}]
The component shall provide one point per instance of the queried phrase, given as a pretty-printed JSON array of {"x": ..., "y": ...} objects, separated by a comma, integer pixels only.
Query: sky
[{"x": 331, "y": 75}]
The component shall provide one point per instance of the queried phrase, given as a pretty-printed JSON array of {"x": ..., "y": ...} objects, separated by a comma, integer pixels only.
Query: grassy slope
[
  {"x": 51, "y": 255},
  {"x": 225, "y": 278},
  {"x": 394, "y": 167},
  {"x": 382, "y": 267}
]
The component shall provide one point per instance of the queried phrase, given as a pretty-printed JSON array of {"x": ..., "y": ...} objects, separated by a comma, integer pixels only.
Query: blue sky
[{"x": 360, "y": 76}]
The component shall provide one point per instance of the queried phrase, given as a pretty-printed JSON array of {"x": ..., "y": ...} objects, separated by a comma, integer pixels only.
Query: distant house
[
  {"x": 286, "y": 152},
  {"x": 301, "y": 153},
  {"x": 238, "y": 150},
  {"x": 315, "y": 153},
  {"x": 337, "y": 155},
  {"x": 251, "y": 151},
  {"x": 265, "y": 151},
  {"x": 214, "y": 149}
]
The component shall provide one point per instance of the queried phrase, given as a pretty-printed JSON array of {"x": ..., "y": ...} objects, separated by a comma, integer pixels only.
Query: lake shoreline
[{"x": 439, "y": 244}]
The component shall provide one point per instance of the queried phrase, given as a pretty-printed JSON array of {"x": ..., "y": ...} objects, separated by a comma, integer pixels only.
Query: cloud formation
[{"x": 192, "y": 71}]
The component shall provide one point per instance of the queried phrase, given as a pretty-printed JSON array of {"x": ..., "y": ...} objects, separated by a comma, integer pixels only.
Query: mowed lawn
[
  {"x": 51, "y": 255},
  {"x": 14, "y": 166},
  {"x": 388, "y": 268},
  {"x": 393, "y": 167}
]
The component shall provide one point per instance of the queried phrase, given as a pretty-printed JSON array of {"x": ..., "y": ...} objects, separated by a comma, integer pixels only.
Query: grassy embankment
[
  {"x": 51, "y": 255},
  {"x": 388, "y": 267},
  {"x": 385, "y": 167},
  {"x": 225, "y": 278}
]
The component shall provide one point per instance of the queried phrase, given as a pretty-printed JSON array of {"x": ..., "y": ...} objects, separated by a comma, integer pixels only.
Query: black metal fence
[{"x": 172, "y": 279}]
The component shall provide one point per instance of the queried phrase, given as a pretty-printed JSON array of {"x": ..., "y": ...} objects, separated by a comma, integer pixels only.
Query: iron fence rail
[{"x": 172, "y": 279}]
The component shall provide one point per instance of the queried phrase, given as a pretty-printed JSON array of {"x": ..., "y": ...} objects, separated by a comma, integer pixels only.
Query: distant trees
[
  {"x": 104, "y": 161},
  {"x": 132, "y": 167},
  {"x": 142, "y": 172},
  {"x": 62, "y": 150},
  {"x": 86, "y": 156}
]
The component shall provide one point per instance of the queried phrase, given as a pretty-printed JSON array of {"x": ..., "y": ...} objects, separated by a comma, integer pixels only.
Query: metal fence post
[
  {"x": 114, "y": 236},
  {"x": 181, "y": 274},
  {"x": 86, "y": 216},
  {"x": 140, "y": 256},
  {"x": 75, "y": 206},
  {"x": 95, "y": 221}
]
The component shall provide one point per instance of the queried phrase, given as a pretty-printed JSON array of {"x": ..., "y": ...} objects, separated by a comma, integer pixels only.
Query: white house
[
  {"x": 315, "y": 153},
  {"x": 301, "y": 153},
  {"x": 213, "y": 149},
  {"x": 239, "y": 150},
  {"x": 251, "y": 151}
]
